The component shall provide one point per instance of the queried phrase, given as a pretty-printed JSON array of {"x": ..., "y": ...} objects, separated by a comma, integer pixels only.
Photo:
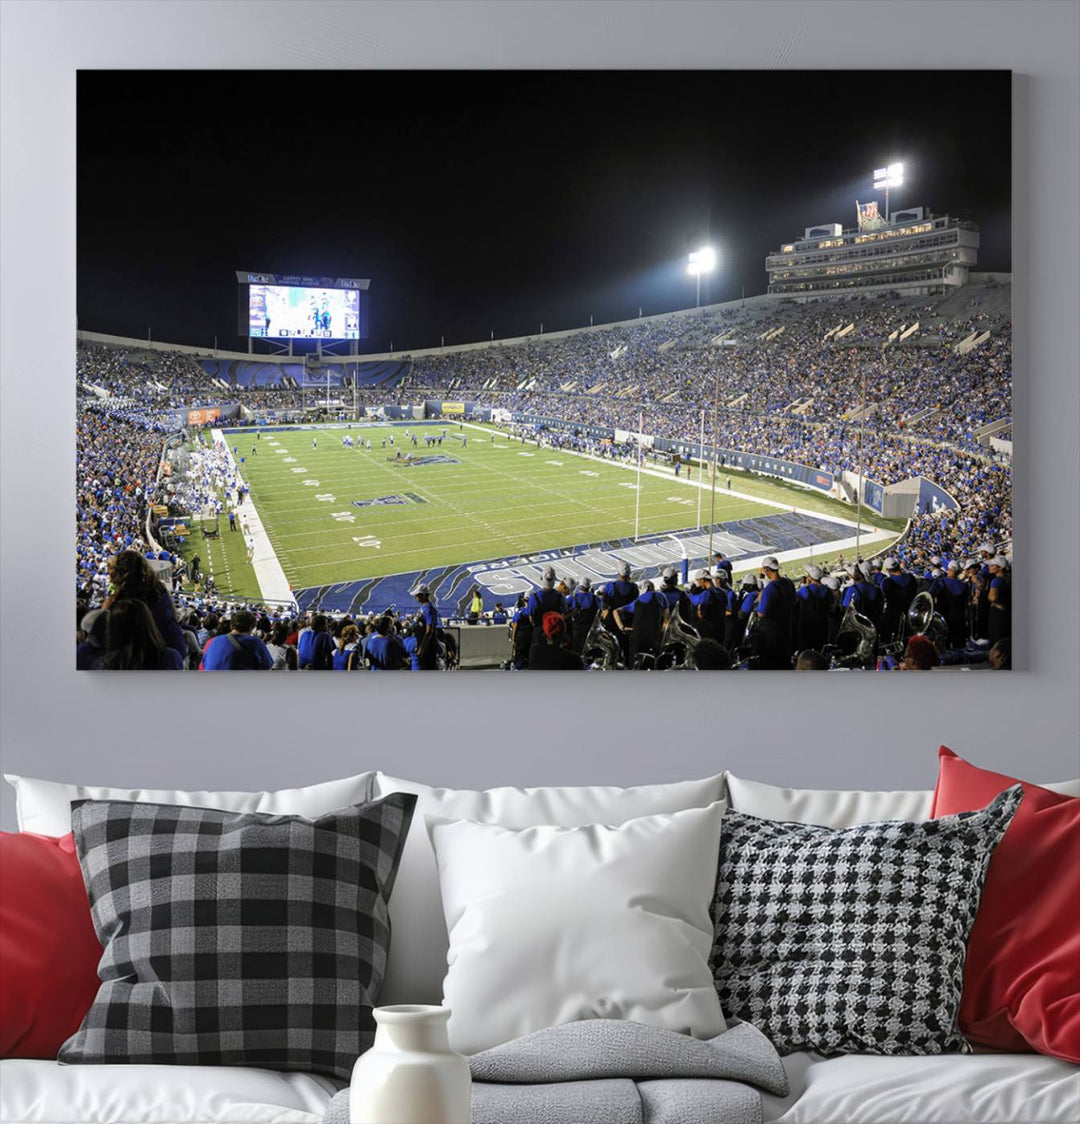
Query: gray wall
[{"x": 482, "y": 729}]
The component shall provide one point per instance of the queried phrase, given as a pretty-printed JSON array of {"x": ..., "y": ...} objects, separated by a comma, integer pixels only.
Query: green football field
[{"x": 496, "y": 497}]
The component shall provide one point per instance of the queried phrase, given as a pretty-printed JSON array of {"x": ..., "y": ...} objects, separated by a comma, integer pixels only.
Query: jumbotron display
[{"x": 300, "y": 312}]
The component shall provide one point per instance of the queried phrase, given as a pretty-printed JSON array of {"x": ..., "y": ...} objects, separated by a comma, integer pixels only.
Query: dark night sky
[{"x": 494, "y": 200}]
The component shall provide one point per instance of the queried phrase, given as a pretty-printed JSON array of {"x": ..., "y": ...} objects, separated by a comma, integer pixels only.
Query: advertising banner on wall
[
  {"x": 754, "y": 462},
  {"x": 203, "y": 416}
]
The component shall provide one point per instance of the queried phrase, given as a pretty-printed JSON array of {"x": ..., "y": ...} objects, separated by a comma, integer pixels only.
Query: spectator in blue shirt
[
  {"x": 647, "y": 614},
  {"x": 621, "y": 591},
  {"x": 775, "y": 610},
  {"x": 521, "y": 634},
  {"x": 428, "y": 646},
  {"x": 385, "y": 651},
  {"x": 546, "y": 599},
  {"x": 315, "y": 648},
  {"x": 348, "y": 655},
  {"x": 951, "y": 599},
  {"x": 812, "y": 612},
  {"x": 1000, "y": 598},
  {"x": 411, "y": 644},
  {"x": 747, "y": 602},
  {"x": 865, "y": 595},
  {"x": 238, "y": 650},
  {"x": 583, "y": 607},
  {"x": 899, "y": 589}
]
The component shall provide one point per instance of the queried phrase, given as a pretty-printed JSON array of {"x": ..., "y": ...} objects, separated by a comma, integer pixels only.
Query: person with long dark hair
[
  {"x": 133, "y": 641},
  {"x": 132, "y": 578}
]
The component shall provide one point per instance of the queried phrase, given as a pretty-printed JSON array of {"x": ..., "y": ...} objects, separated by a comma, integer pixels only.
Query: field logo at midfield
[
  {"x": 435, "y": 458},
  {"x": 390, "y": 501}
]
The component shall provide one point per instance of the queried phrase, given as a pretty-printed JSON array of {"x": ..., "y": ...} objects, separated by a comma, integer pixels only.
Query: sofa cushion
[
  {"x": 950, "y": 1089},
  {"x": 551, "y": 925},
  {"x": 42, "y": 1092},
  {"x": 839, "y": 807},
  {"x": 1022, "y": 975},
  {"x": 48, "y": 950},
  {"x": 417, "y": 964},
  {"x": 44, "y": 807},
  {"x": 236, "y": 939},
  {"x": 852, "y": 941}
]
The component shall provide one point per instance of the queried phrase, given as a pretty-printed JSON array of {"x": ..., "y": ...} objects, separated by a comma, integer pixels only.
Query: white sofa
[
  {"x": 980, "y": 1089},
  {"x": 970, "y": 1089}
]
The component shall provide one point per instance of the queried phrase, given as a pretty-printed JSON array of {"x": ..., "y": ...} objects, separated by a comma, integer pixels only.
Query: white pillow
[
  {"x": 550, "y": 925},
  {"x": 44, "y": 807},
  {"x": 839, "y": 808},
  {"x": 418, "y": 941}
]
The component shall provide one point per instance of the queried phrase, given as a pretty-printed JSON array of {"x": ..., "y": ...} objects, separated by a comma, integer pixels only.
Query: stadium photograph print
[{"x": 742, "y": 400}]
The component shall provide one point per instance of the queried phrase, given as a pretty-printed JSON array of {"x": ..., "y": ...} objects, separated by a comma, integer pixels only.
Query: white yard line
[{"x": 273, "y": 584}]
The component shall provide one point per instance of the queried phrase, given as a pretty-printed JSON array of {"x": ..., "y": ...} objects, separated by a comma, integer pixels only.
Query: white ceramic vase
[{"x": 410, "y": 1075}]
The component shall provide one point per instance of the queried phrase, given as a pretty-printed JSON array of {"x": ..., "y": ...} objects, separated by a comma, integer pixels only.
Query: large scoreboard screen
[{"x": 304, "y": 313}]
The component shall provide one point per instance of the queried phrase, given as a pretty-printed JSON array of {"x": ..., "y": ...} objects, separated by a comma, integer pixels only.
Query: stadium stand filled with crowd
[{"x": 861, "y": 402}]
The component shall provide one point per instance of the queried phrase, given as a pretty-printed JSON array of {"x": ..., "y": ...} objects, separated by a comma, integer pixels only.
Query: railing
[{"x": 153, "y": 543}]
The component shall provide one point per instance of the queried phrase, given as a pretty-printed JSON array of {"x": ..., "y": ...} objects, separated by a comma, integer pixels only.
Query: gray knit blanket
[{"x": 606, "y": 1071}]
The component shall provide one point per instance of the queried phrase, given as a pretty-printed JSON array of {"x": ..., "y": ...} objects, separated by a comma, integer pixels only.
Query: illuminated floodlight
[
  {"x": 702, "y": 261},
  {"x": 885, "y": 178}
]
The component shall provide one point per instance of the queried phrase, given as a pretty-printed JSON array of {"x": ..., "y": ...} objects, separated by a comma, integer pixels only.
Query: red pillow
[
  {"x": 1022, "y": 974},
  {"x": 48, "y": 950}
]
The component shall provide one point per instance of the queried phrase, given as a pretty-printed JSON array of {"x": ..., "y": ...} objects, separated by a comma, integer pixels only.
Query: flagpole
[
  {"x": 637, "y": 491},
  {"x": 701, "y": 467}
]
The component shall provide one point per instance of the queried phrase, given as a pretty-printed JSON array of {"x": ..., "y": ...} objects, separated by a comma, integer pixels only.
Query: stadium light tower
[
  {"x": 701, "y": 261},
  {"x": 884, "y": 178}
]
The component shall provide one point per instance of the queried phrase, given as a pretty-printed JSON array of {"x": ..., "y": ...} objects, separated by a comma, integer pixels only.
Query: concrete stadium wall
[{"x": 871, "y": 731}]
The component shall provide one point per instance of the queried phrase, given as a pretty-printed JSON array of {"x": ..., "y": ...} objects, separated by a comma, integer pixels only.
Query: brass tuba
[
  {"x": 922, "y": 618},
  {"x": 857, "y": 633},
  {"x": 600, "y": 649},
  {"x": 677, "y": 642}
]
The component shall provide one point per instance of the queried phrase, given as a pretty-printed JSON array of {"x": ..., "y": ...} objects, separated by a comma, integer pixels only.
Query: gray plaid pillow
[
  {"x": 236, "y": 938},
  {"x": 853, "y": 941}
]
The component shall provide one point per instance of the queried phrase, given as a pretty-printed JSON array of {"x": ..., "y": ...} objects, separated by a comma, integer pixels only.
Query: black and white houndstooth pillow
[
  {"x": 851, "y": 941},
  {"x": 237, "y": 939}
]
